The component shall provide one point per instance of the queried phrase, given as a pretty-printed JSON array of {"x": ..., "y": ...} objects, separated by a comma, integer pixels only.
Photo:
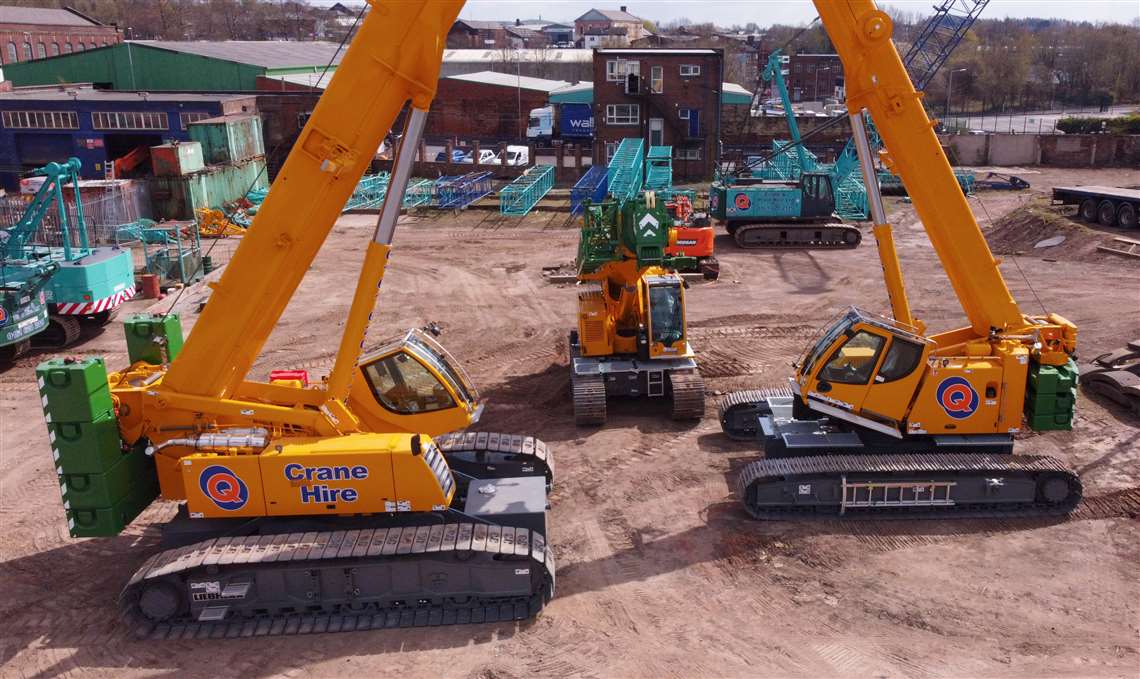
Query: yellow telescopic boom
[
  {"x": 380, "y": 73},
  {"x": 877, "y": 81}
]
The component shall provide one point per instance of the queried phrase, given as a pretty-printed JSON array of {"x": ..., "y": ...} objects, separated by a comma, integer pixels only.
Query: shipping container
[
  {"x": 176, "y": 160},
  {"x": 214, "y": 187},
  {"x": 230, "y": 138}
]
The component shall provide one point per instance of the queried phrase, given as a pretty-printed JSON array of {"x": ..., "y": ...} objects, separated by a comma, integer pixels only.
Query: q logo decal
[
  {"x": 742, "y": 201},
  {"x": 223, "y": 487},
  {"x": 957, "y": 397}
]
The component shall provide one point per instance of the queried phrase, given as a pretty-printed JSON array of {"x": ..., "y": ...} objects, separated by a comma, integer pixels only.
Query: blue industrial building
[{"x": 39, "y": 125}]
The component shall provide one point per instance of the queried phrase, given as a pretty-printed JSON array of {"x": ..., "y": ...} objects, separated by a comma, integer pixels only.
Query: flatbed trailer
[{"x": 1107, "y": 205}]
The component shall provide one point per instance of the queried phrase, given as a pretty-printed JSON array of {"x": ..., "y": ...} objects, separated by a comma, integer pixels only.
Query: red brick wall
[
  {"x": 802, "y": 75},
  {"x": 36, "y": 34},
  {"x": 691, "y": 92},
  {"x": 467, "y": 109}
]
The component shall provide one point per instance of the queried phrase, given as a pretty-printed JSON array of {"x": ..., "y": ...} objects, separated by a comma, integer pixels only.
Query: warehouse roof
[
  {"x": 608, "y": 15},
  {"x": 511, "y": 80},
  {"x": 506, "y": 55},
  {"x": 88, "y": 93},
  {"x": 38, "y": 15},
  {"x": 731, "y": 93},
  {"x": 264, "y": 53}
]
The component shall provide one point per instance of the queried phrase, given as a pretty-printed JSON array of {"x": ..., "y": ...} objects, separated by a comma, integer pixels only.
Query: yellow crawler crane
[
  {"x": 631, "y": 339},
  {"x": 311, "y": 508},
  {"x": 871, "y": 392}
]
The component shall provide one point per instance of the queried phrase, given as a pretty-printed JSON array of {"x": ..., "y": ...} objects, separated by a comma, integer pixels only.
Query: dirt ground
[{"x": 661, "y": 574}]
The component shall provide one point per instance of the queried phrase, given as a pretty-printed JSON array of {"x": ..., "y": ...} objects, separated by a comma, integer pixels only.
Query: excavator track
[
  {"x": 589, "y": 394},
  {"x": 831, "y": 236},
  {"x": 340, "y": 581},
  {"x": 475, "y": 453},
  {"x": 908, "y": 486},
  {"x": 738, "y": 411},
  {"x": 688, "y": 394}
]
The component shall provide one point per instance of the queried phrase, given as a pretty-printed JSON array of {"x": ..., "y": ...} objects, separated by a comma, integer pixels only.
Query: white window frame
[
  {"x": 40, "y": 120},
  {"x": 683, "y": 113},
  {"x": 657, "y": 79},
  {"x": 687, "y": 154},
  {"x": 130, "y": 120},
  {"x": 618, "y": 69},
  {"x": 690, "y": 70},
  {"x": 184, "y": 119},
  {"x": 632, "y": 114},
  {"x": 611, "y": 148}
]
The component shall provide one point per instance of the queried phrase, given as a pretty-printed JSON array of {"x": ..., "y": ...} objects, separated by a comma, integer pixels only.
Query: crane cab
[
  {"x": 664, "y": 298},
  {"x": 412, "y": 384},
  {"x": 864, "y": 369}
]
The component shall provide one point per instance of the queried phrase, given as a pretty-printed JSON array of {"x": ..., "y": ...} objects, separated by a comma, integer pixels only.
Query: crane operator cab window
[
  {"x": 666, "y": 314},
  {"x": 404, "y": 385},
  {"x": 854, "y": 362}
]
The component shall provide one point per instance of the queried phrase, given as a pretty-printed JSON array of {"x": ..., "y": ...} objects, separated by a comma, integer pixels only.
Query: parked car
[
  {"x": 456, "y": 156},
  {"x": 516, "y": 155},
  {"x": 486, "y": 157}
]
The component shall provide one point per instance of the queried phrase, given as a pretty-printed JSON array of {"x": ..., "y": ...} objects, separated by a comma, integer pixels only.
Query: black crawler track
[
  {"x": 830, "y": 236},
  {"x": 339, "y": 581},
  {"x": 984, "y": 486},
  {"x": 479, "y": 453}
]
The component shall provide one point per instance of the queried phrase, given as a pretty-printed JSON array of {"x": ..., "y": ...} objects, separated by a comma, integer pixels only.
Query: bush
[{"x": 1129, "y": 124}]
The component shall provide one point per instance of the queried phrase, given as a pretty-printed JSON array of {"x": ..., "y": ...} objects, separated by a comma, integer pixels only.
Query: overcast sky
[{"x": 766, "y": 12}]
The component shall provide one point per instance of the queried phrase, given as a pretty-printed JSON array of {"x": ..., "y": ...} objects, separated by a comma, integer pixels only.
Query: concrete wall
[{"x": 1061, "y": 150}]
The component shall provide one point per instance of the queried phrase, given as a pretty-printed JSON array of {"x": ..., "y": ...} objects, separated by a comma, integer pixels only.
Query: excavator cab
[
  {"x": 412, "y": 384},
  {"x": 664, "y": 297},
  {"x": 864, "y": 369}
]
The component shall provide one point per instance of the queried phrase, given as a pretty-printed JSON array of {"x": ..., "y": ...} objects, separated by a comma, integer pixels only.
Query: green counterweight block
[
  {"x": 1051, "y": 396},
  {"x": 146, "y": 334},
  {"x": 110, "y": 521},
  {"x": 73, "y": 390},
  {"x": 106, "y": 489},
  {"x": 86, "y": 447}
]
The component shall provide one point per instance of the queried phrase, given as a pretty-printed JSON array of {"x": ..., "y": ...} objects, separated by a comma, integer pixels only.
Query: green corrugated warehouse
[{"x": 156, "y": 65}]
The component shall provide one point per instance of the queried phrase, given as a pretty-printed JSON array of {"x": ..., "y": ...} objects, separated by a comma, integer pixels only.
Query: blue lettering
[
  {"x": 360, "y": 472},
  {"x": 294, "y": 471},
  {"x": 348, "y": 495},
  {"x": 311, "y": 494}
]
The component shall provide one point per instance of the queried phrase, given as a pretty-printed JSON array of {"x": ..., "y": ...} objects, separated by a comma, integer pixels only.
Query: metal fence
[{"x": 1032, "y": 122}]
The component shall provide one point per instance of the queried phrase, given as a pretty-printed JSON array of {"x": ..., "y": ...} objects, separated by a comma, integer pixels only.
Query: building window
[
  {"x": 41, "y": 51},
  {"x": 123, "y": 120},
  {"x": 623, "y": 114},
  {"x": 27, "y": 51},
  {"x": 618, "y": 69},
  {"x": 78, "y": 47},
  {"x": 689, "y": 70},
  {"x": 657, "y": 79},
  {"x": 55, "y": 49},
  {"x": 13, "y": 53},
  {"x": 192, "y": 117},
  {"x": 683, "y": 113},
  {"x": 611, "y": 147},
  {"x": 688, "y": 154},
  {"x": 43, "y": 120},
  {"x": 67, "y": 48}
]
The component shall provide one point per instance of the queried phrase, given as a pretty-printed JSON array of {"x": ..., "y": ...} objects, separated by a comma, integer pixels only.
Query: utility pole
[{"x": 950, "y": 87}]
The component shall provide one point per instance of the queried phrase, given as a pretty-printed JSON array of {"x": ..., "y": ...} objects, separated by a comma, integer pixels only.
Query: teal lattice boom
[{"x": 520, "y": 196}]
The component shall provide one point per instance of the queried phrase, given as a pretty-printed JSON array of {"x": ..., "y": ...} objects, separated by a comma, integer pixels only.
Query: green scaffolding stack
[
  {"x": 520, "y": 196},
  {"x": 104, "y": 483}
]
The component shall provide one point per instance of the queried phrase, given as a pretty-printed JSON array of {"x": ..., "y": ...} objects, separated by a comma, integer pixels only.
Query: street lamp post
[
  {"x": 815, "y": 88},
  {"x": 518, "y": 90},
  {"x": 950, "y": 87}
]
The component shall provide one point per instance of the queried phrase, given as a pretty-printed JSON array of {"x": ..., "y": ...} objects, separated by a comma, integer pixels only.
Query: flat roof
[
  {"x": 89, "y": 94},
  {"x": 653, "y": 50},
  {"x": 264, "y": 53},
  {"x": 511, "y": 80}
]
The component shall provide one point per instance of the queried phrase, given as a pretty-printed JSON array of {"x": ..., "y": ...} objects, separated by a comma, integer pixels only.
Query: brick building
[
  {"x": 467, "y": 34},
  {"x": 813, "y": 77},
  {"x": 615, "y": 24},
  {"x": 28, "y": 33},
  {"x": 488, "y": 106},
  {"x": 669, "y": 97}
]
